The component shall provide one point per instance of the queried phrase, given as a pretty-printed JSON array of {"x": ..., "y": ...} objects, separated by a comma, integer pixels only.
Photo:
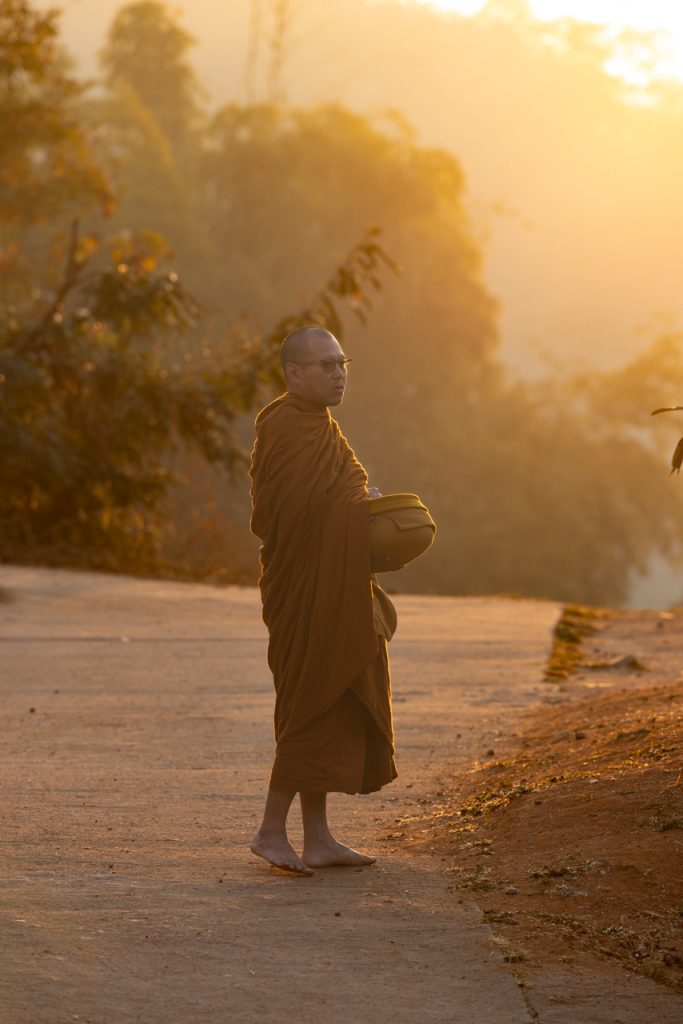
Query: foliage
[
  {"x": 146, "y": 50},
  {"x": 96, "y": 396},
  {"x": 89, "y": 407},
  {"x": 45, "y": 165},
  {"x": 140, "y": 163},
  {"x": 46, "y": 169},
  {"x": 115, "y": 397},
  {"x": 282, "y": 191},
  {"x": 549, "y": 495},
  {"x": 105, "y": 375}
]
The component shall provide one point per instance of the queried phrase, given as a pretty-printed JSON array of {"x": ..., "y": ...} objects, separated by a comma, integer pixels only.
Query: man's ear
[{"x": 292, "y": 374}]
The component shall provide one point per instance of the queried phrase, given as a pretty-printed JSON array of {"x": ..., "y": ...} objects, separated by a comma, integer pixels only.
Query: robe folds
[{"x": 327, "y": 646}]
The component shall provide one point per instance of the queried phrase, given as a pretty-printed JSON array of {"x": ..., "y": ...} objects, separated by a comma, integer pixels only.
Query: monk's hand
[{"x": 374, "y": 492}]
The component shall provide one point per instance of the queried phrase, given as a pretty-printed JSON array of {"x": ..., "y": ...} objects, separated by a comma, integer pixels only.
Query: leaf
[{"x": 677, "y": 458}]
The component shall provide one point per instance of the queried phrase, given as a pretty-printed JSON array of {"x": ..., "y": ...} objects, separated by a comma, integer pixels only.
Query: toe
[
  {"x": 293, "y": 868},
  {"x": 301, "y": 869}
]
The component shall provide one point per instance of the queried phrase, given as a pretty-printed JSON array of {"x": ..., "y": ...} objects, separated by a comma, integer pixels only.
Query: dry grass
[{"x": 576, "y": 622}]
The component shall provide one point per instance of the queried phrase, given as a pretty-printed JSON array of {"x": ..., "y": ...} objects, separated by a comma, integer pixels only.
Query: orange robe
[{"x": 326, "y": 650}]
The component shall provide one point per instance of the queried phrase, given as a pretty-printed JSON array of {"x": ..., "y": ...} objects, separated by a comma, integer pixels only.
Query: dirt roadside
[
  {"x": 136, "y": 743},
  {"x": 569, "y": 834}
]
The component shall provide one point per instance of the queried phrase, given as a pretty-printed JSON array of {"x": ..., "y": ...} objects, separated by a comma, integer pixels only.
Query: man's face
[{"x": 321, "y": 376}]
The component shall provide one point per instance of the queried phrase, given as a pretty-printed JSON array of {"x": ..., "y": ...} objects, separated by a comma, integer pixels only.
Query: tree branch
[{"x": 72, "y": 271}]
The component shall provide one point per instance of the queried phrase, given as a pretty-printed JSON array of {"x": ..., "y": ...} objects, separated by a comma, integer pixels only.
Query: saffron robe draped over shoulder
[{"x": 333, "y": 700}]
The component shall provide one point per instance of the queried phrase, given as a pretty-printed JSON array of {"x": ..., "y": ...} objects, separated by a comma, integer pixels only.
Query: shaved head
[
  {"x": 297, "y": 346},
  {"x": 315, "y": 365}
]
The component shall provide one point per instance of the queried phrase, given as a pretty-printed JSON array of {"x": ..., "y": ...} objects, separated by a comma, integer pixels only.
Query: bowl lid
[{"x": 393, "y": 502}]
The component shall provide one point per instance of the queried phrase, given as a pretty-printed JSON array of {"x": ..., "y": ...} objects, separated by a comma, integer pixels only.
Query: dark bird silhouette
[{"x": 677, "y": 457}]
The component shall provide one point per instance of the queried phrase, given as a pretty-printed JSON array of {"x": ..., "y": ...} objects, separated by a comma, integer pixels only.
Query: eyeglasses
[{"x": 329, "y": 365}]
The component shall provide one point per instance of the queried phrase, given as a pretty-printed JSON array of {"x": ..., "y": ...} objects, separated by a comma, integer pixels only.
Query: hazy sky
[
  {"x": 576, "y": 165},
  {"x": 661, "y": 16}
]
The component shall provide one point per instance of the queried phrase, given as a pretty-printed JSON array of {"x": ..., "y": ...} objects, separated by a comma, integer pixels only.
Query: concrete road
[{"x": 136, "y": 746}]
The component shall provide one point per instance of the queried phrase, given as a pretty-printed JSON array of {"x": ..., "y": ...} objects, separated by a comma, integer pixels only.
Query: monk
[{"x": 328, "y": 620}]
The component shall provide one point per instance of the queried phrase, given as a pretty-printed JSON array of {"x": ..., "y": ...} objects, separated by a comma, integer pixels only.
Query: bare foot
[
  {"x": 327, "y": 853},
  {"x": 277, "y": 851}
]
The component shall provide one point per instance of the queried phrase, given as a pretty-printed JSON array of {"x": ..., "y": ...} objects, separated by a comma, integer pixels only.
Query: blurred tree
[
  {"x": 554, "y": 497},
  {"x": 97, "y": 394},
  {"x": 150, "y": 125},
  {"x": 97, "y": 387},
  {"x": 89, "y": 410},
  {"x": 543, "y": 490},
  {"x": 537, "y": 490},
  {"x": 282, "y": 192},
  {"x": 147, "y": 50},
  {"x": 47, "y": 170},
  {"x": 150, "y": 188}
]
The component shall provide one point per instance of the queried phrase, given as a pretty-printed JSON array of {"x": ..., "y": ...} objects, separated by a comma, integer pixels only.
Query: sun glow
[{"x": 661, "y": 57}]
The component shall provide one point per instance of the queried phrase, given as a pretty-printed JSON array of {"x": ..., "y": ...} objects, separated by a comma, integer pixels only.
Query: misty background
[
  {"x": 572, "y": 177},
  {"x": 533, "y": 202}
]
